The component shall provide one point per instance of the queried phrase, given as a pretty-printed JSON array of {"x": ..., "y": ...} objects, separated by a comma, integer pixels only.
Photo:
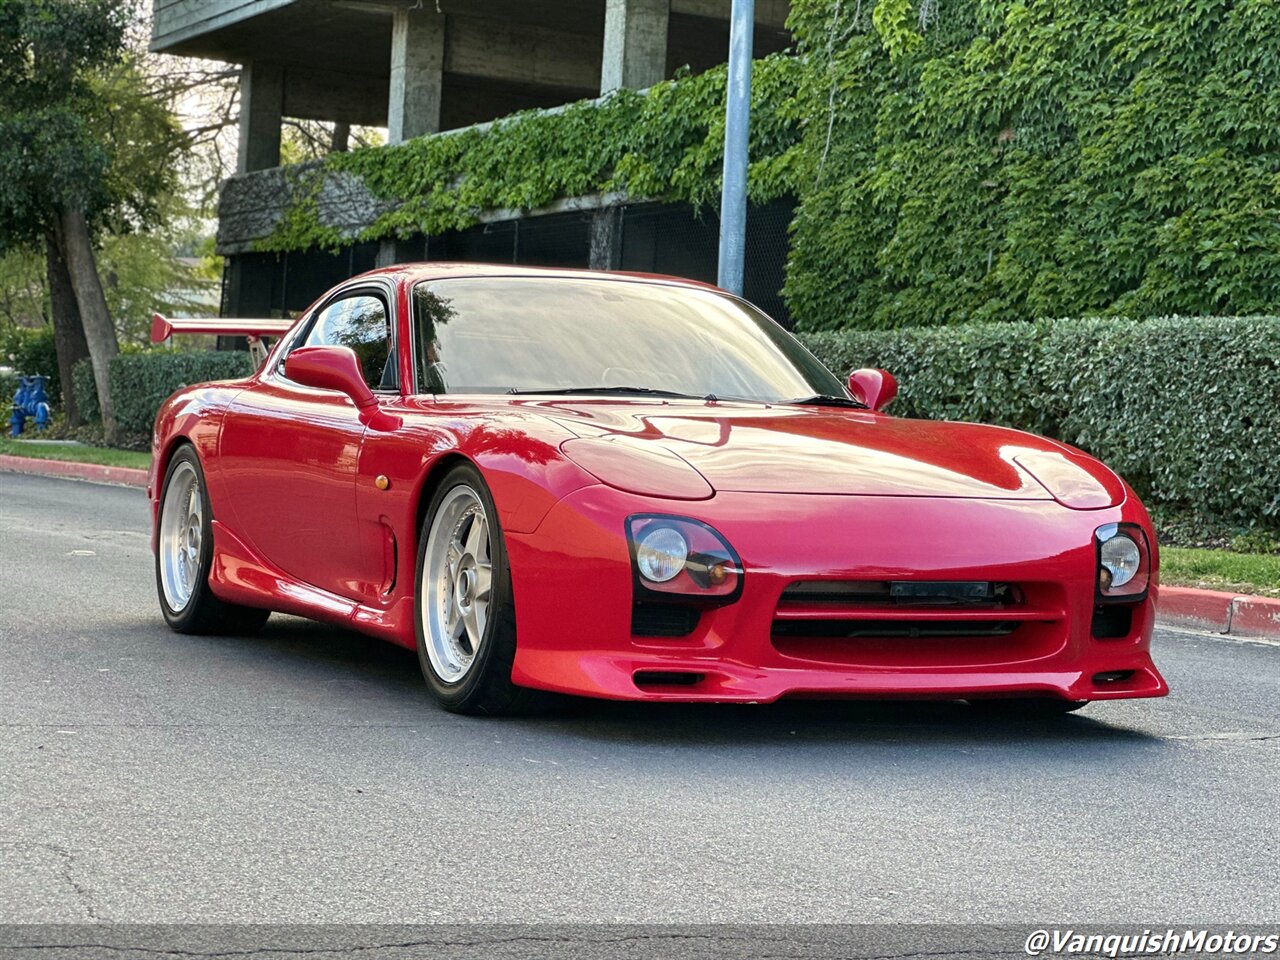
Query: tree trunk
[
  {"x": 99, "y": 331},
  {"x": 68, "y": 334},
  {"x": 341, "y": 139}
]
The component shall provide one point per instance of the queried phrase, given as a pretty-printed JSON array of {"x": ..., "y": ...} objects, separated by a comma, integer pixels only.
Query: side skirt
[{"x": 240, "y": 575}]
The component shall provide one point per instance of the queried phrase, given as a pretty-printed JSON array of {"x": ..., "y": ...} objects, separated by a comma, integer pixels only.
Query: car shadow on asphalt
[{"x": 328, "y": 654}]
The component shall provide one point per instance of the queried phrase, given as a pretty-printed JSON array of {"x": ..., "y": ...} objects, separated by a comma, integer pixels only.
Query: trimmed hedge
[
  {"x": 140, "y": 382},
  {"x": 1186, "y": 409},
  {"x": 86, "y": 390}
]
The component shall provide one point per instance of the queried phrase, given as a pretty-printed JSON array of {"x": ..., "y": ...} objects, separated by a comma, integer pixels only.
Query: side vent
[{"x": 667, "y": 678}]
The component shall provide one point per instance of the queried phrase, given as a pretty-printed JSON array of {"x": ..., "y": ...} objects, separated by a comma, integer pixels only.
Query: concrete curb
[
  {"x": 1218, "y": 612},
  {"x": 124, "y": 476}
]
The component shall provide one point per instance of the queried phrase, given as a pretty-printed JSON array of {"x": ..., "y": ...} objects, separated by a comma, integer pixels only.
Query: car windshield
[{"x": 561, "y": 335}]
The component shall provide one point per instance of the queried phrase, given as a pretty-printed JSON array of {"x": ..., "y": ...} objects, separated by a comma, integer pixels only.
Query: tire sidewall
[
  {"x": 182, "y": 619},
  {"x": 460, "y": 693}
]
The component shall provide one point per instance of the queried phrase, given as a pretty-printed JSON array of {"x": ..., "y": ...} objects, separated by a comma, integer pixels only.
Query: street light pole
[{"x": 733, "y": 201}]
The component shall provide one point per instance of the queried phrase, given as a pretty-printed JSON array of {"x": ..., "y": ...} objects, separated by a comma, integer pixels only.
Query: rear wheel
[
  {"x": 184, "y": 556},
  {"x": 1028, "y": 707},
  {"x": 466, "y": 623}
]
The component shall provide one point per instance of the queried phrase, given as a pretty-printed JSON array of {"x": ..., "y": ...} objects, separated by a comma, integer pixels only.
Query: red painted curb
[
  {"x": 1256, "y": 617},
  {"x": 125, "y": 476},
  {"x": 1205, "y": 609},
  {"x": 1231, "y": 613}
]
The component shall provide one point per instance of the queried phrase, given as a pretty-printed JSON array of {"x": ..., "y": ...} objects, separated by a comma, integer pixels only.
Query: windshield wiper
[
  {"x": 822, "y": 400},
  {"x": 622, "y": 391}
]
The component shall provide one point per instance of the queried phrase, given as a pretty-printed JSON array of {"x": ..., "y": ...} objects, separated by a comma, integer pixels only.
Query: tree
[{"x": 83, "y": 149}]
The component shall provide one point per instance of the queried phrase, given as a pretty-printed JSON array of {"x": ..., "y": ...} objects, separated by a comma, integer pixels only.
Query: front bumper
[{"x": 573, "y": 587}]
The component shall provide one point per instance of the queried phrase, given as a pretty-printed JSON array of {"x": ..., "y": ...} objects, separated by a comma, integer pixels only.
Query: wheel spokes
[
  {"x": 181, "y": 536},
  {"x": 458, "y": 578},
  {"x": 484, "y": 582}
]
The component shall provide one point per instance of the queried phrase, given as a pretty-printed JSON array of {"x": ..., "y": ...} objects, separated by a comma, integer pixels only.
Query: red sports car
[{"x": 636, "y": 487}]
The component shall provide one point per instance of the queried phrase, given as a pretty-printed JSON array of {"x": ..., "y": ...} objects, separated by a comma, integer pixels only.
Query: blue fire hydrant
[{"x": 31, "y": 400}]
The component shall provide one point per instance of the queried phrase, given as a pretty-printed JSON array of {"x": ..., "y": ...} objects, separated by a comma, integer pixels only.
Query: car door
[{"x": 289, "y": 453}]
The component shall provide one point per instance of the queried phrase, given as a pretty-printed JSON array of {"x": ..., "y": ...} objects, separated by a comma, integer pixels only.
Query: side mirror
[
  {"x": 875, "y": 388},
  {"x": 330, "y": 368}
]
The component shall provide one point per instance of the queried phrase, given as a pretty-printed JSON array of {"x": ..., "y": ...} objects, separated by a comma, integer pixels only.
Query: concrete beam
[
  {"x": 334, "y": 96},
  {"x": 174, "y": 21},
  {"x": 635, "y": 44},
  {"x": 769, "y": 13},
  {"x": 417, "y": 73},
  {"x": 261, "y": 110},
  {"x": 521, "y": 53}
]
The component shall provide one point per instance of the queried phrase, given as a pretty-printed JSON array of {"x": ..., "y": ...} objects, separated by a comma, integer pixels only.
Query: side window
[{"x": 359, "y": 322}]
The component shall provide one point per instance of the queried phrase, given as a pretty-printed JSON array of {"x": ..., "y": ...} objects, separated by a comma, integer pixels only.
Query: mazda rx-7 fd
[{"x": 636, "y": 487}]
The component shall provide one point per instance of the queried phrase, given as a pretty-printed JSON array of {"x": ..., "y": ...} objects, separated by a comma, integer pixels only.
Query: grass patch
[
  {"x": 1257, "y": 573},
  {"x": 75, "y": 453}
]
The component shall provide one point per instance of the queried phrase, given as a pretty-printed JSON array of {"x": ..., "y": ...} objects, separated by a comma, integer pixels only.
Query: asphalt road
[{"x": 304, "y": 775}]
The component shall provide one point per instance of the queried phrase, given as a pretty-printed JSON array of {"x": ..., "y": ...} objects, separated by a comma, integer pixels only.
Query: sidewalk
[{"x": 1227, "y": 613}]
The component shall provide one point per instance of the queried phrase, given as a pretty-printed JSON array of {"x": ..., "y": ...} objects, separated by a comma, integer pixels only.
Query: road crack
[{"x": 66, "y": 873}]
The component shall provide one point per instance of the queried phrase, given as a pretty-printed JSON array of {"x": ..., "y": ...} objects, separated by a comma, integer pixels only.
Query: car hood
[{"x": 756, "y": 448}]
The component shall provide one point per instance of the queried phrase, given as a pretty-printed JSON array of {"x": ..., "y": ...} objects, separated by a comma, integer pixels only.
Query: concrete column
[
  {"x": 261, "y": 111},
  {"x": 392, "y": 251},
  {"x": 635, "y": 44},
  {"x": 417, "y": 73},
  {"x": 605, "y": 233}
]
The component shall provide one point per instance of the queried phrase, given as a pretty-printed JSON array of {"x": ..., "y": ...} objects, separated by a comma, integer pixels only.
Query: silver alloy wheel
[
  {"x": 457, "y": 577},
  {"x": 181, "y": 531}
]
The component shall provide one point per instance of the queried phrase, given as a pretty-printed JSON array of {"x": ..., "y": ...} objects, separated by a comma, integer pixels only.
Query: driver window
[{"x": 359, "y": 322}]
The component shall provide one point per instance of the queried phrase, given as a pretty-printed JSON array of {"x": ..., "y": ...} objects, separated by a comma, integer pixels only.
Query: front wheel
[
  {"x": 465, "y": 619},
  {"x": 184, "y": 555}
]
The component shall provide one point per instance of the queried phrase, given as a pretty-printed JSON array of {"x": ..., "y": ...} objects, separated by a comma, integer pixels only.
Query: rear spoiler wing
[{"x": 162, "y": 328}]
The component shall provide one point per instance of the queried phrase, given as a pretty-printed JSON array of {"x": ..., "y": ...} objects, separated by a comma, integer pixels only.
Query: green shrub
[
  {"x": 140, "y": 382},
  {"x": 1183, "y": 408},
  {"x": 86, "y": 390},
  {"x": 30, "y": 350},
  {"x": 8, "y": 387}
]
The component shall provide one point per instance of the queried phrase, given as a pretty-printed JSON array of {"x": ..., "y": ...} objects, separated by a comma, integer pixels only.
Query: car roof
[{"x": 439, "y": 270}]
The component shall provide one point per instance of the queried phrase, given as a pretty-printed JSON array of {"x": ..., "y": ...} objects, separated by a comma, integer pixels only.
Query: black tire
[
  {"x": 1029, "y": 708},
  {"x": 203, "y": 613},
  {"x": 486, "y": 686}
]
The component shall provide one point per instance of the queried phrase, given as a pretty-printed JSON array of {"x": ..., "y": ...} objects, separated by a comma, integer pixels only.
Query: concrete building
[{"x": 427, "y": 66}]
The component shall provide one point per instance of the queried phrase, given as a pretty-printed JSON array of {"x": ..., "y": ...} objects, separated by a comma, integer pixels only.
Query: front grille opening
[
  {"x": 1112, "y": 677},
  {"x": 1112, "y": 622},
  {"x": 892, "y": 629},
  {"x": 904, "y": 593},
  {"x": 667, "y": 678},
  {"x": 663, "y": 620}
]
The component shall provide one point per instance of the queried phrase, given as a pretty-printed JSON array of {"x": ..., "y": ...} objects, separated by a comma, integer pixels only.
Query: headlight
[
  {"x": 681, "y": 559},
  {"x": 1124, "y": 563},
  {"x": 661, "y": 553}
]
